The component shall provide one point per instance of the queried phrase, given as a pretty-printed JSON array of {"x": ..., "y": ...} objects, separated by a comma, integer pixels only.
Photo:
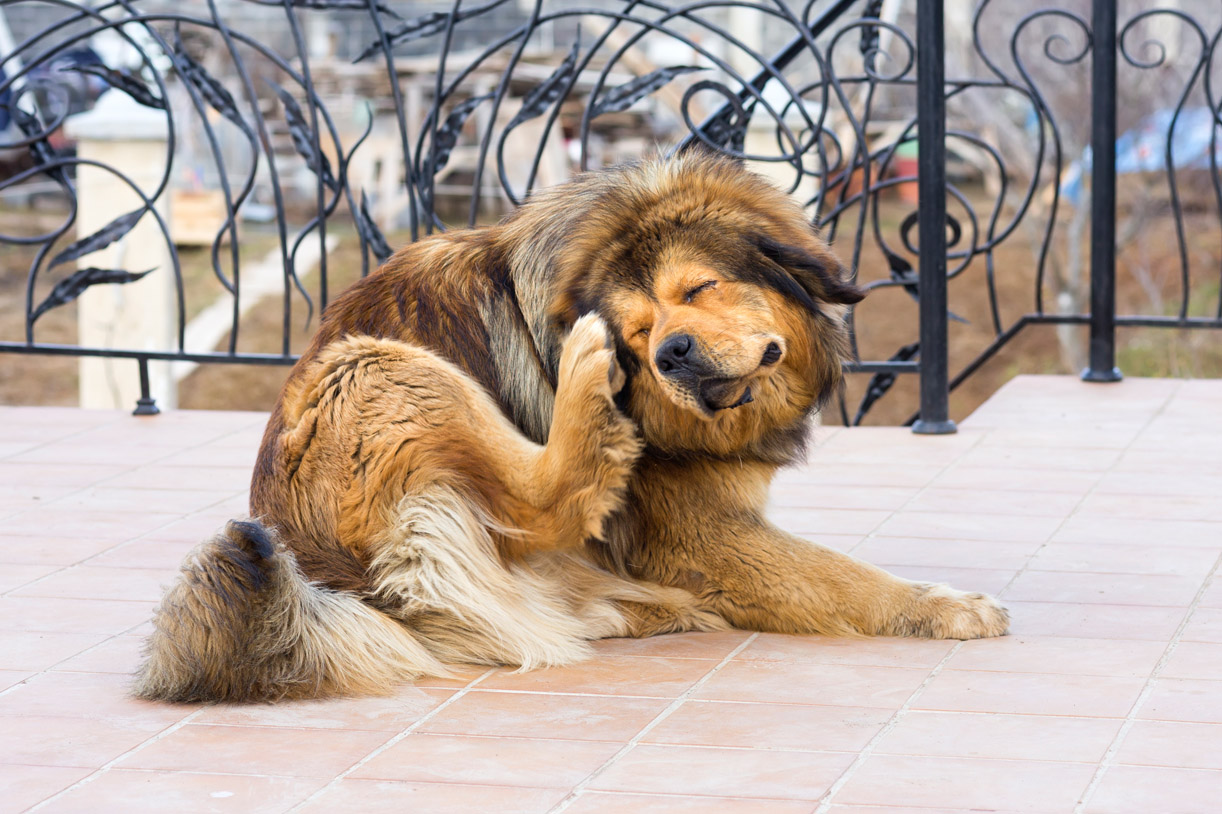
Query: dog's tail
[{"x": 243, "y": 624}]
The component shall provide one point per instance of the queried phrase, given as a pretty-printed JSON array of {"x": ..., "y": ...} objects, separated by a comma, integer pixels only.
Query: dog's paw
[
  {"x": 587, "y": 362},
  {"x": 941, "y": 612}
]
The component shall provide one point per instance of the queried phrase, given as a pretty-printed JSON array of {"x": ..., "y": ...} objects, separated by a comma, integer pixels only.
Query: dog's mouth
[{"x": 715, "y": 395}]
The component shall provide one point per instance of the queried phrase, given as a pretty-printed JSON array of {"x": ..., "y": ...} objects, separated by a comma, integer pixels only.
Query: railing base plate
[
  {"x": 1092, "y": 375},
  {"x": 146, "y": 407},
  {"x": 934, "y": 427}
]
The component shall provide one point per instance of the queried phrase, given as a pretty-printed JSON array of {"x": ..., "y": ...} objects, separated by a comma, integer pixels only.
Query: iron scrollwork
[{"x": 496, "y": 94}]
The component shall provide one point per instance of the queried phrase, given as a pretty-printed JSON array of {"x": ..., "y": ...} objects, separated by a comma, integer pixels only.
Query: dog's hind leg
[{"x": 404, "y": 419}]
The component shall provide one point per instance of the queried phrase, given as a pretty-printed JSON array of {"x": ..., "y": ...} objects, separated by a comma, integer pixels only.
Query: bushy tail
[{"x": 243, "y": 624}]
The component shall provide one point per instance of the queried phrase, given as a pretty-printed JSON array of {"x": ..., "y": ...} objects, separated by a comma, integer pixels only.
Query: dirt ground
[{"x": 1149, "y": 283}]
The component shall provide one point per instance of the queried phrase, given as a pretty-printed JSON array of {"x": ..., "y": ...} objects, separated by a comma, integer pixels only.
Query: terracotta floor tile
[
  {"x": 1124, "y": 559},
  {"x": 812, "y": 683},
  {"x": 389, "y": 797},
  {"x": 1028, "y": 480},
  {"x": 610, "y": 675},
  {"x": 44, "y": 740},
  {"x": 772, "y": 726},
  {"x": 993, "y": 735},
  {"x": 984, "y": 580},
  {"x": 1195, "y": 660},
  {"x": 1133, "y": 483},
  {"x": 98, "y": 451},
  {"x": 55, "y": 615},
  {"x": 724, "y": 772},
  {"x": 89, "y": 582},
  {"x": 1107, "y": 589},
  {"x": 715, "y": 646},
  {"x": 68, "y": 475},
  {"x": 1091, "y": 621},
  {"x": 907, "y": 474},
  {"x": 827, "y": 521},
  {"x": 1212, "y": 597},
  {"x": 37, "y": 651},
  {"x": 970, "y": 525},
  {"x": 392, "y": 713},
  {"x": 156, "y": 792},
  {"x": 1205, "y": 625},
  {"x": 827, "y": 496},
  {"x": 1001, "y": 501},
  {"x": 1054, "y": 458},
  {"x": 1183, "y": 699},
  {"x": 1030, "y": 694},
  {"x": 1125, "y": 789},
  {"x": 178, "y": 501},
  {"x": 1178, "y": 745},
  {"x": 1159, "y": 462},
  {"x": 540, "y": 715},
  {"x": 527, "y": 762},
  {"x": 840, "y": 542},
  {"x": 13, "y": 576},
  {"x": 11, "y": 678},
  {"x": 94, "y": 523},
  {"x": 883, "y": 651},
  {"x": 221, "y": 455},
  {"x": 269, "y": 750},
  {"x": 98, "y": 696},
  {"x": 228, "y": 479},
  {"x": 147, "y": 553},
  {"x": 606, "y": 802},
  {"x": 25, "y": 786},
  {"x": 1050, "y": 654},
  {"x": 1078, "y": 436},
  {"x": 462, "y": 676},
  {"x": 950, "y": 553},
  {"x": 1152, "y": 507},
  {"x": 118, "y": 654},
  {"x": 1138, "y": 531},
  {"x": 44, "y": 549},
  {"x": 1034, "y": 786},
  {"x": 908, "y": 809}
]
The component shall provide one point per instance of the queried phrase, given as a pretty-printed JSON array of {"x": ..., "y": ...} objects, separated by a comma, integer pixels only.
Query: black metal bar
[
  {"x": 882, "y": 367},
  {"x": 778, "y": 63},
  {"x": 161, "y": 356},
  {"x": 1103, "y": 196},
  {"x": 931, "y": 181},
  {"x": 146, "y": 404}
]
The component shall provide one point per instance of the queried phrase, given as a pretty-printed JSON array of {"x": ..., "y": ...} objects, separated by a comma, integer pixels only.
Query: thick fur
[{"x": 510, "y": 441}]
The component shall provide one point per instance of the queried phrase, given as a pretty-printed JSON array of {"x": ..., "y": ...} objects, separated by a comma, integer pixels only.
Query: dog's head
[{"x": 727, "y": 308}]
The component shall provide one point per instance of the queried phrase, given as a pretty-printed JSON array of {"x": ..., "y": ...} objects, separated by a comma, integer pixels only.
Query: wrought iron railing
[{"x": 482, "y": 101}]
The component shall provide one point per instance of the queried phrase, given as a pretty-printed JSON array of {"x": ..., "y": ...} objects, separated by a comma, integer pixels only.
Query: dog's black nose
[{"x": 674, "y": 354}]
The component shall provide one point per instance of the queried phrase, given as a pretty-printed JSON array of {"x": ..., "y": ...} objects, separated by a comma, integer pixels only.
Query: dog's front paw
[
  {"x": 587, "y": 362},
  {"x": 941, "y": 612},
  {"x": 598, "y": 444}
]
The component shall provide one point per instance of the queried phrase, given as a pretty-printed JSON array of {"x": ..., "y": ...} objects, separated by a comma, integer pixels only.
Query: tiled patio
[{"x": 1094, "y": 511}]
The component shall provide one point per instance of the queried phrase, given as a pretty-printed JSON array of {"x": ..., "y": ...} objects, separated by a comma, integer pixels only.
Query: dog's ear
[{"x": 803, "y": 275}]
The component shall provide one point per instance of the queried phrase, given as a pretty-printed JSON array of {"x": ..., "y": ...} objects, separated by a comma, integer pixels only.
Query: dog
[{"x": 513, "y": 440}]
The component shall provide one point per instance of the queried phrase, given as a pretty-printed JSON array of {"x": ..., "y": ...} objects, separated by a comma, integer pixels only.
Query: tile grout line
[
  {"x": 874, "y": 532},
  {"x": 1026, "y": 566},
  {"x": 98, "y": 772},
  {"x": 825, "y": 801},
  {"x": 1130, "y": 720},
  {"x": 576, "y": 791},
  {"x": 394, "y": 739}
]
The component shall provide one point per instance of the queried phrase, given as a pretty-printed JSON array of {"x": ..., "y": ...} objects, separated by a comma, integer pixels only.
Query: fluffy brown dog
[{"x": 510, "y": 441}]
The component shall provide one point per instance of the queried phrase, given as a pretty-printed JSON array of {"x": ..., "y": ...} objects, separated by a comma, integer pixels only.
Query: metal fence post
[
  {"x": 931, "y": 183},
  {"x": 1103, "y": 196}
]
